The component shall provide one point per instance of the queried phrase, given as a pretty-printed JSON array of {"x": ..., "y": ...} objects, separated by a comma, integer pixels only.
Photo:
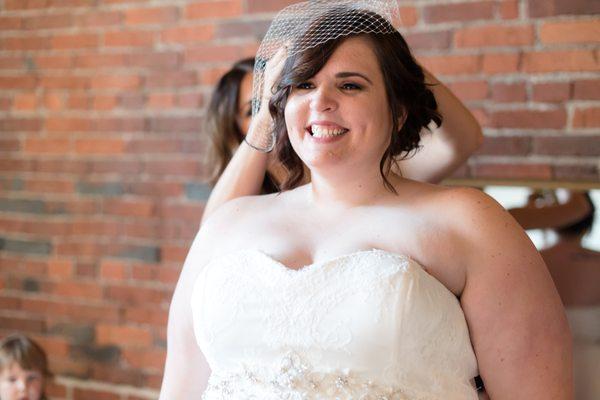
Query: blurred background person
[{"x": 23, "y": 369}]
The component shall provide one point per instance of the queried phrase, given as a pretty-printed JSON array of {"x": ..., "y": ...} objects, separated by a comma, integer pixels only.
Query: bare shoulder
[{"x": 238, "y": 211}]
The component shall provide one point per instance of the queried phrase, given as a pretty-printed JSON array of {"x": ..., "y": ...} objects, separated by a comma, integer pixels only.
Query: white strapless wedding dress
[{"x": 367, "y": 325}]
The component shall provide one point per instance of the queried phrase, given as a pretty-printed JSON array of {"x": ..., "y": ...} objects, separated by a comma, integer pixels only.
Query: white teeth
[{"x": 321, "y": 131}]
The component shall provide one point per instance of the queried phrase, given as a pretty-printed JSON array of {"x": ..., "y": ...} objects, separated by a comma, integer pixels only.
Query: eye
[
  {"x": 304, "y": 85},
  {"x": 248, "y": 113},
  {"x": 351, "y": 86}
]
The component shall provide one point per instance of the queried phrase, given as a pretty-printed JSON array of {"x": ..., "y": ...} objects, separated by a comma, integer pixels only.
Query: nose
[{"x": 324, "y": 99}]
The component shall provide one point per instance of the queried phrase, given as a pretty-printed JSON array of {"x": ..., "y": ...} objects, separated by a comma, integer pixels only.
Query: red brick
[
  {"x": 586, "y": 117},
  {"x": 192, "y": 34},
  {"x": 177, "y": 253},
  {"x": 9, "y": 23},
  {"x": 95, "y": 228},
  {"x": 212, "y": 9},
  {"x": 10, "y": 145},
  {"x": 97, "y": 18},
  {"x": 11, "y": 62},
  {"x": 113, "y": 270},
  {"x": 136, "y": 208},
  {"x": 146, "y": 315},
  {"x": 29, "y": 42},
  {"x": 509, "y": 9},
  {"x": 514, "y": 170},
  {"x": 172, "y": 79},
  {"x": 211, "y": 76},
  {"x": 243, "y": 29},
  {"x": 577, "y": 172},
  {"x": 120, "y": 124},
  {"x": 212, "y": 53},
  {"x": 66, "y": 124},
  {"x": 60, "y": 269},
  {"x": 551, "y": 92},
  {"x": 188, "y": 212},
  {"x": 505, "y": 146},
  {"x": 96, "y": 61},
  {"x": 470, "y": 90},
  {"x": 68, "y": 309},
  {"x": 509, "y": 92},
  {"x": 78, "y": 102},
  {"x": 530, "y": 119},
  {"x": 189, "y": 168},
  {"x": 160, "y": 101},
  {"x": 129, "y": 39},
  {"x": 57, "y": 347},
  {"x": 49, "y": 186},
  {"x": 586, "y": 89},
  {"x": 154, "y": 60},
  {"x": 54, "y": 62},
  {"x": 75, "y": 41},
  {"x": 64, "y": 82},
  {"x": 20, "y": 124},
  {"x": 77, "y": 290},
  {"x": 99, "y": 146},
  {"x": 256, "y": 6},
  {"x": 159, "y": 189},
  {"x": 136, "y": 295},
  {"x": 587, "y": 31},
  {"x": 86, "y": 394},
  {"x": 104, "y": 103},
  {"x": 175, "y": 124},
  {"x": 555, "y": 61},
  {"x": 458, "y": 12},
  {"x": 25, "y": 101},
  {"x": 499, "y": 63},
  {"x": 116, "y": 82},
  {"x": 408, "y": 16},
  {"x": 190, "y": 100},
  {"x": 53, "y": 101},
  {"x": 159, "y": 15},
  {"x": 494, "y": 35},
  {"x": 580, "y": 146},
  {"x": 53, "y": 146},
  {"x": 547, "y": 8},
  {"x": 452, "y": 65},
  {"x": 145, "y": 358},
  {"x": 47, "y": 21},
  {"x": 20, "y": 82},
  {"x": 428, "y": 40}
]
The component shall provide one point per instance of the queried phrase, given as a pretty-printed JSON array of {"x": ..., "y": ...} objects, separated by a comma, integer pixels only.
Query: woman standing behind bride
[{"x": 347, "y": 287}]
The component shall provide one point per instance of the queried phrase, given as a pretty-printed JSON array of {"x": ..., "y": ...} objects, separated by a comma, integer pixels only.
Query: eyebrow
[{"x": 351, "y": 74}]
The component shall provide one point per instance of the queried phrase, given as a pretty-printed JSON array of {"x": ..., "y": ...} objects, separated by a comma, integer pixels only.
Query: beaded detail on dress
[{"x": 368, "y": 325}]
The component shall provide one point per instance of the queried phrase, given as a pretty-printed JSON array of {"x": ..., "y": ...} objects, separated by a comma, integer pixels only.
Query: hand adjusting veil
[{"x": 306, "y": 25}]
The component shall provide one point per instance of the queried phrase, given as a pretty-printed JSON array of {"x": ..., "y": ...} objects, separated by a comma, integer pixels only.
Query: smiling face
[
  {"x": 19, "y": 384},
  {"x": 341, "y": 116}
]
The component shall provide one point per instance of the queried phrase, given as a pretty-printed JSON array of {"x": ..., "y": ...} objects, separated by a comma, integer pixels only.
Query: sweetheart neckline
[{"x": 315, "y": 264}]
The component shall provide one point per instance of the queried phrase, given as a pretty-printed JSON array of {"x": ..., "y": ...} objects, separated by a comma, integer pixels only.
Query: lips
[{"x": 325, "y": 130}]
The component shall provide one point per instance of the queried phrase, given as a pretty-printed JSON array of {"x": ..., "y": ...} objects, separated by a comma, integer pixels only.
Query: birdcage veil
[{"x": 308, "y": 24}]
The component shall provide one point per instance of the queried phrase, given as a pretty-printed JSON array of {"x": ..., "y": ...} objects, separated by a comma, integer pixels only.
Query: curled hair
[
  {"x": 222, "y": 126},
  {"x": 26, "y": 353},
  {"x": 582, "y": 226},
  {"x": 407, "y": 93}
]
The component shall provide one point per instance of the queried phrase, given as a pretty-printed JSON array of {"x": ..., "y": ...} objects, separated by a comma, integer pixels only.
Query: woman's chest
[{"x": 298, "y": 241}]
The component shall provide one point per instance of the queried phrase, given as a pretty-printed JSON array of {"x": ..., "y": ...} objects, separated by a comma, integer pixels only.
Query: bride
[{"x": 362, "y": 284}]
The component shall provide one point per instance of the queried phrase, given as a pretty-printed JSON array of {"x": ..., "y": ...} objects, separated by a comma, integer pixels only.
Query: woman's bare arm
[
  {"x": 516, "y": 320},
  {"x": 445, "y": 148},
  {"x": 186, "y": 370}
]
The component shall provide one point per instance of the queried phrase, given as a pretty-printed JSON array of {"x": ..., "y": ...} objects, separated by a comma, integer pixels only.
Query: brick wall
[{"x": 101, "y": 153}]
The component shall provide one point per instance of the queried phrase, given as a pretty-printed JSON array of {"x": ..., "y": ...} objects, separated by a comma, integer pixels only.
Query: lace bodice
[{"x": 368, "y": 325}]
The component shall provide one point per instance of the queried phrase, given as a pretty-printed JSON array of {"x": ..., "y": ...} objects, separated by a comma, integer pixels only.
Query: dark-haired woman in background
[{"x": 443, "y": 149}]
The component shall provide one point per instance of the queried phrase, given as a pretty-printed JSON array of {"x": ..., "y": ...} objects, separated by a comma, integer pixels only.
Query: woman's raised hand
[{"x": 260, "y": 135}]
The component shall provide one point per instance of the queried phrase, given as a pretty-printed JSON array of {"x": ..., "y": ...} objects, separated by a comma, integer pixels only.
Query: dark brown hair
[
  {"x": 223, "y": 129},
  {"x": 404, "y": 81},
  {"x": 26, "y": 353}
]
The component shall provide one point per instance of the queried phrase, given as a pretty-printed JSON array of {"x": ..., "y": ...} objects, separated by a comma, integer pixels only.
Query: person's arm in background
[
  {"x": 446, "y": 148},
  {"x": 245, "y": 173},
  {"x": 574, "y": 208}
]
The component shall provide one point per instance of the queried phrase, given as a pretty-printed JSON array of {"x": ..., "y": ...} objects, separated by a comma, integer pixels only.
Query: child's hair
[{"x": 26, "y": 353}]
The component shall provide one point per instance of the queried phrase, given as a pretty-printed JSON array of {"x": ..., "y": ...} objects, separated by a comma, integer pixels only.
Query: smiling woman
[{"x": 361, "y": 283}]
